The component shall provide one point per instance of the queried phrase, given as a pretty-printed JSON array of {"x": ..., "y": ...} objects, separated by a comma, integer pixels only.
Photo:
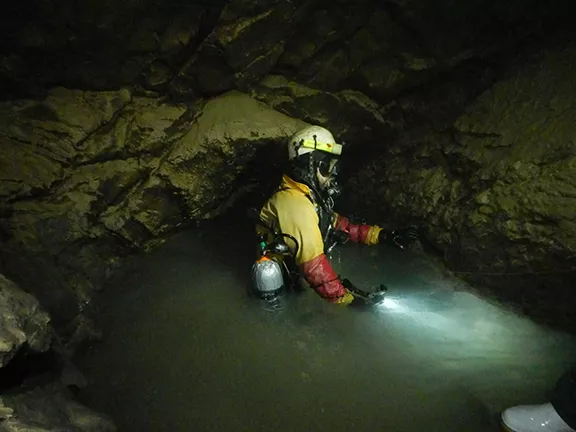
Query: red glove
[
  {"x": 357, "y": 233},
  {"x": 324, "y": 280}
]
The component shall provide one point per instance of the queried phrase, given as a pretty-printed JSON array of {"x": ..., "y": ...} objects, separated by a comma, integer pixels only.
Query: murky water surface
[{"x": 185, "y": 349}]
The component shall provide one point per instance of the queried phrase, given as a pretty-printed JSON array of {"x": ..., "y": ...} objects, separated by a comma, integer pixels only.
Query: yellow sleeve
[
  {"x": 359, "y": 233},
  {"x": 297, "y": 217},
  {"x": 373, "y": 236}
]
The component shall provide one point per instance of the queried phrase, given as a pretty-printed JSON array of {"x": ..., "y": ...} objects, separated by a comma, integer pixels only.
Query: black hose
[
  {"x": 294, "y": 240},
  {"x": 255, "y": 216}
]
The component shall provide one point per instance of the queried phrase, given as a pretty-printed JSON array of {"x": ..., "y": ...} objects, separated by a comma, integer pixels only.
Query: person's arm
[
  {"x": 297, "y": 217},
  {"x": 359, "y": 233},
  {"x": 373, "y": 234}
]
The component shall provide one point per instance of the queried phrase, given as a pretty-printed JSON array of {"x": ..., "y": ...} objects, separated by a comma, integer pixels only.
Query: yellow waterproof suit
[{"x": 293, "y": 210}]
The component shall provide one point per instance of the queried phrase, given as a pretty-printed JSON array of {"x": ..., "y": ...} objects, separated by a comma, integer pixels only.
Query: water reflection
[{"x": 185, "y": 349}]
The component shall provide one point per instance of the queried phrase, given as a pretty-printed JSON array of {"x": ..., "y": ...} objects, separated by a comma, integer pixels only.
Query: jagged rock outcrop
[
  {"x": 201, "y": 169},
  {"x": 90, "y": 176},
  {"x": 26, "y": 333},
  {"x": 350, "y": 115},
  {"x": 24, "y": 325},
  {"x": 497, "y": 189},
  {"x": 46, "y": 408},
  {"x": 207, "y": 47}
]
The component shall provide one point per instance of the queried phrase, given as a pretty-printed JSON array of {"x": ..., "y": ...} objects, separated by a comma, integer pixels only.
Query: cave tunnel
[{"x": 136, "y": 136}]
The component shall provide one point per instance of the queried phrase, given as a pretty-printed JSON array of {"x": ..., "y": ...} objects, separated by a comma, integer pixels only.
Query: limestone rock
[
  {"x": 207, "y": 47},
  {"x": 124, "y": 40},
  {"x": 350, "y": 115},
  {"x": 380, "y": 57},
  {"x": 55, "y": 126},
  {"x": 497, "y": 192},
  {"x": 200, "y": 171},
  {"x": 146, "y": 127},
  {"x": 82, "y": 184},
  {"x": 22, "y": 322},
  {"x": 319, "y": 25},
  {"x": 525, "y": 155},
  {"x": 5, "y": 412},
  {"x": 147, "y": 214},
  {"x": 236, "y": 53},
  {"x": 49, "y": 408},
  {"x": 158, "y": 76},
  {"x": 67, "y": 159},
  {"x": 119, "y": 177},
  {"x": 62, "y": 238},
  {"x": 481, "y": 26},
  {"x": 231, "y": 129},
  {"x": 70, "y": 213},
  {"x": 24, "y": 172}
]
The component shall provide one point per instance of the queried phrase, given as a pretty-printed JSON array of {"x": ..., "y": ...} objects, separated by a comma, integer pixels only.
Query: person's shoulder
[
  {"x": 293, "y": 199},
  {"x": 292, "y": 195}
]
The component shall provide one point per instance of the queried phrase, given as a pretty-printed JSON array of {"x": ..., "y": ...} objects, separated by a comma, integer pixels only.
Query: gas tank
[{"x": 267, "y": 277}]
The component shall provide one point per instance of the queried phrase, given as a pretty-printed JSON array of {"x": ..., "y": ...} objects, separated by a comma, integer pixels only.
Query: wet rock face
[
  {"x": 197, "y": 48},
  {"x": 49, "y": 408},
  {"x": 26, "y": 332},
  {"x": 24, "y": 325},
  {"x": 496, "y": 189},
  {"x": 88, "y": 177}
]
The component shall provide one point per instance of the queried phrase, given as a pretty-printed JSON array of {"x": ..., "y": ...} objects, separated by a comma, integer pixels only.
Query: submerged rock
[
  {"x": 26, "y": 332},
  {"x": 49, "y": 408}
]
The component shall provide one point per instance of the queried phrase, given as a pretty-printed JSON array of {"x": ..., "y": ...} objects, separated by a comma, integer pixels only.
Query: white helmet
[{"x": 312, "y": 138}]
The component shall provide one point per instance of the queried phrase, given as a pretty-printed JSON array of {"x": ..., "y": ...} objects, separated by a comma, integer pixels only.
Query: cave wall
[
  {"x": 200, "y": 48},
  {"x": 121, "y": 122},
  {"x": 88, "y": 177},
  {"x": 24, "y": 325},
  {"x": 496, "y": 189},
  {"x": 43, "y": 401},
  {"x": 47, "y": 408}
]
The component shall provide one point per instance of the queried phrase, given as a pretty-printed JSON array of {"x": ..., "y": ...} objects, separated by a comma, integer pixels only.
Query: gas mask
[
  {"x": 329, "y": 169},
  {"x": 333, "y": 189}
]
